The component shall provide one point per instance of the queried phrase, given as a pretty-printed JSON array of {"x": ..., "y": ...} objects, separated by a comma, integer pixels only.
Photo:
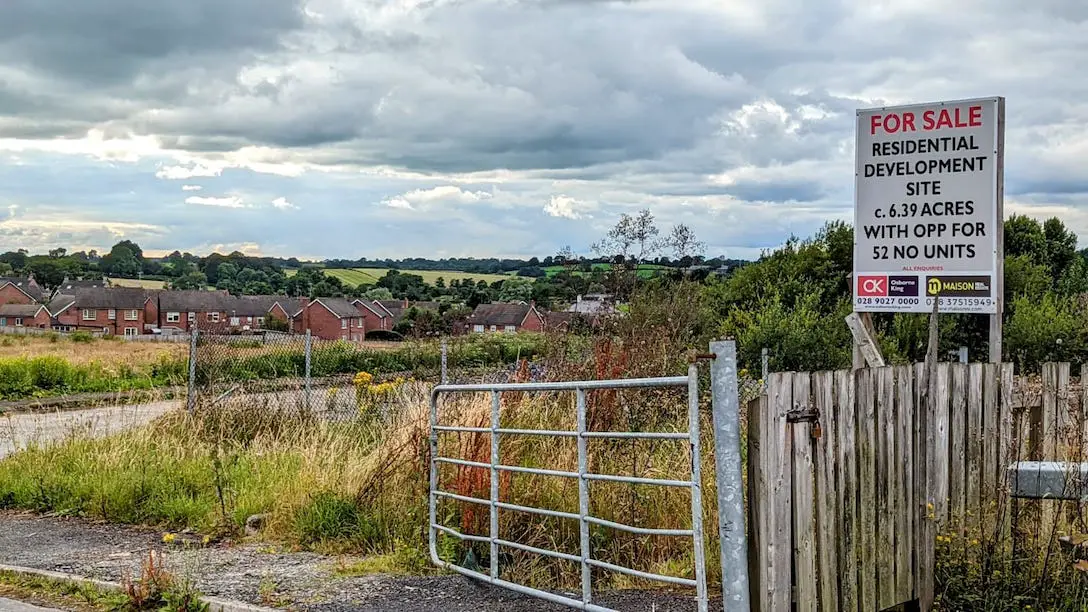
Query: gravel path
[{"x": 257, "y": 574}]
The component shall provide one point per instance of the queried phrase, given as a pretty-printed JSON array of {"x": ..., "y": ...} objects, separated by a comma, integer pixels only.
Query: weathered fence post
[
  {"x": 309, "y": 349},
  {"x": 765, "y": 359},
  {"x": 963, "y": 354},
  {"x": 444, "y": 379},
  {"x": 190, "y": 400},
  {"x": 727, "y": 464}
]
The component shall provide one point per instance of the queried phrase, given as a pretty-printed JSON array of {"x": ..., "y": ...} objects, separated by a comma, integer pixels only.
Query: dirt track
[{"x": 257, "y": 574}]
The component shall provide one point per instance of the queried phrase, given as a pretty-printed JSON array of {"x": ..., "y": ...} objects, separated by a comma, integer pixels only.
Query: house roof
[
  {"x": 70, "y": 285},
  {"x": 195, "y": 301},
  {"x": 338, "y": 307},
  {"x": 60, "y": 302},
  {"x": 26, "y": 285},
  {"x": 253, "y": 305},
  {"x": 111, "y": 297},
  {"x": 20, "y": 310},
  {"x": 371, "y": 306},
  {"x": 500, "y": 314}
]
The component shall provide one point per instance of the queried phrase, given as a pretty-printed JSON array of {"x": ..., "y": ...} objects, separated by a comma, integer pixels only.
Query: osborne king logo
[
  {"x": 873, "y": 286},
  {"x": 959, "y": 286}
]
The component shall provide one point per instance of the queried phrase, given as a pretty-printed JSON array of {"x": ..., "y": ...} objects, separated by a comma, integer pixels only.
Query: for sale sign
[{"x": 928, "y": 210}]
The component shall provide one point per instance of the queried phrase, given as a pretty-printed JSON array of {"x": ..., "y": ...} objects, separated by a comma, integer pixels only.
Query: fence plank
[
  {"x": 940, "y": 443},
  {"x": 1046, "y": 509},
  {"x": 1064, "y": 421},
  {"x": 957, "y": 449},
  {"x": 866, "y": 442},
  {"x": 974, "y": 445},
  {"x": 904, "y": 466},
  {"x": 885, "y": 487},
  {"x": 925, "y": 532},
  {"x": 1007, "y": 453},
  {"x": 1049, "y": 413},
  {"x": 758, "y": 499},
  {"x": 990, "y": 441},
  {"x": 804, "y": 499},
  {"x": 846, "y": 463},
  {"x": 827, "y": 510},
  {"x": 776, "y": 489}
]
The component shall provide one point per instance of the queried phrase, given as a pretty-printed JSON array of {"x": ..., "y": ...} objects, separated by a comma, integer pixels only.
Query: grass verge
[{"x": 43, "y": 591}]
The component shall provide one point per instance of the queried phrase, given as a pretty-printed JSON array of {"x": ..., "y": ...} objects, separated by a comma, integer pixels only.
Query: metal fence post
[
  {"x": 963, "y": 354},
  {"x": 309, "y": 350},
  {"x": 727, "y": 463},
  {"x": 190, "y": 400},
  {"x": 444, "y": 377}
]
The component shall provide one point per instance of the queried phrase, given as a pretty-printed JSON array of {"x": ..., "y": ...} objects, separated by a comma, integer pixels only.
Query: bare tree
[
  {"x": 631, "y": 237},
  {"x": 683, "y": 242}
]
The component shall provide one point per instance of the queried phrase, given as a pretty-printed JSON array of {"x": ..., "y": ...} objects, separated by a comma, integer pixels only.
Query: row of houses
[{"x": 124, "y": 311}]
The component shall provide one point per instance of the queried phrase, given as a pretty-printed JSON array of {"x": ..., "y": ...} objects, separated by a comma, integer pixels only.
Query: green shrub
[{"x": 81, "y": 337}]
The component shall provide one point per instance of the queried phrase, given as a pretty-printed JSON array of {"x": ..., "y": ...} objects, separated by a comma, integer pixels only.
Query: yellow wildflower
[{"x": 168, "y": 538}]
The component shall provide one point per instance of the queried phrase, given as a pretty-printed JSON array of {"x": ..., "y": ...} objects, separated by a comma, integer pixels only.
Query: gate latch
[
  {"x": 807, "y": 416},
  {"x": 803, "y": 416}
]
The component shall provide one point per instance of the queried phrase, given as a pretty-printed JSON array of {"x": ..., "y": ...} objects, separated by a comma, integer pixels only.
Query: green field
[
  {"x": 644, "y": 270},
  {"x": 132, "y": 282},
  {"x": 370, "y": 276}
]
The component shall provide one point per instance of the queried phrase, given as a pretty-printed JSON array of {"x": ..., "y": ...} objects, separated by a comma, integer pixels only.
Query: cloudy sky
[{"x": 434, "y": 128}]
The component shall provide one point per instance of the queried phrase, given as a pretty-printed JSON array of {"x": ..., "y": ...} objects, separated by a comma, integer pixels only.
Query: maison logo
[
  {"x": 959, "y": 286},
  {"x": 872, "y": 286}
]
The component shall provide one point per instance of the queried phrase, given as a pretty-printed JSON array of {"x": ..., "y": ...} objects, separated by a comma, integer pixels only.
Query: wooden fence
[{"x": 851, "y": 480}]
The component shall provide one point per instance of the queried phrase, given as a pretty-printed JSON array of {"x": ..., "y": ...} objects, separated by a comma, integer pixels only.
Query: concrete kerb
[{"x": 216, "y": 604}]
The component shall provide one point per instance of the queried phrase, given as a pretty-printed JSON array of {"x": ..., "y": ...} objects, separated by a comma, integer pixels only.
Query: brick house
[
  {"x": 113, "y": 310},
  {"x": 375, "y": 317},
  {"x": 15, "y": 290},
  {"x": 332, "y": 319},
  {"x": 214, "y": 311},
  {"x": 71, "y": 287},
  {"x": 505, "y": 318},
  {"x": 24, "y": 315},
  {"x": 392, "y": 311}
]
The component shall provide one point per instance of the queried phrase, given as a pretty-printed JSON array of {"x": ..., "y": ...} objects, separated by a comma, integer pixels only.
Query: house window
[
  {"x": 3, "y": 322},
  {"x": 18, "y": 321},
  {"x": 213, "y": 317},
  {"x": 494, "y": 328},
  {"x": 132, "y": 315},
  {"x": 173, "y": 317},
  {"x": 112, "y": 314},
  {"x": 260, "y": 320},
  {"x": 358, "y": 322},
  {"x": 234, "y": 321},
  {"x": 89, "y": 314},
  {"x": 131, "y": 331},
  {"x": 511, "y": 328},
  {"x": 478, "y": 328},
  {"x": 192, "y": 317},
  {"x": 344, "y": 324}
]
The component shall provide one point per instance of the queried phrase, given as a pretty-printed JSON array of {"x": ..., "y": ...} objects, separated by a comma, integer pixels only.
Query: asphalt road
[
  {"x": 10, "y": 605},
  {"x": 17, "y": 430}
]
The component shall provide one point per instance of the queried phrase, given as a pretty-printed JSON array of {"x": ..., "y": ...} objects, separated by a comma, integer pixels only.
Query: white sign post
[{"x": 928, "y": 219}]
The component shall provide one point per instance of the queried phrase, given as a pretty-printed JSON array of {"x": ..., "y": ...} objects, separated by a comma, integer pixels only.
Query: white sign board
[{"x": 928, "y": 208}]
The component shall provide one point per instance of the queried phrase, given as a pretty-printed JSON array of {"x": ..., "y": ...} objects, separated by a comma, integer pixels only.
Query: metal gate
[{"x": 584, "y": 477}]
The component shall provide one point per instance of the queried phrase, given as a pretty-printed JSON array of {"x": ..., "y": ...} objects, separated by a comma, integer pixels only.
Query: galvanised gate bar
[{"x": 584, "y": 477}]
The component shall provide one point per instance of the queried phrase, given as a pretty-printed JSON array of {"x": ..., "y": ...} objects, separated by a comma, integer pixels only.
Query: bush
[
  {"x": 1048, "y": 328},
  {"x": 81, "y": 337}
]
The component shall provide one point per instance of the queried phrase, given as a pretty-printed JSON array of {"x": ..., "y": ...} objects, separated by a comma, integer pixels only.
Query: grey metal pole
[
  {"x": 583, "y": 499},
  {"x": 309, "y": 350},
  {"x": 445, "y": 379},
  {"x": 696, "y": 489},
  {"x": 727, "y": 463},
  {"x": 963, "y": 354},
  {"x": 190, "y": 400},
  {"x": 765, "y": 359}
]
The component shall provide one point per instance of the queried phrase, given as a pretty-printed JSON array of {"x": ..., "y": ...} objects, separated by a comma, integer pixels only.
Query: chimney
[{"x": 406, "y": 303}]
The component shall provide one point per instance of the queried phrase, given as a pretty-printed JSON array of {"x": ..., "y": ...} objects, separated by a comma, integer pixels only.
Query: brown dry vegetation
[{"x": 105, "y": 352}]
